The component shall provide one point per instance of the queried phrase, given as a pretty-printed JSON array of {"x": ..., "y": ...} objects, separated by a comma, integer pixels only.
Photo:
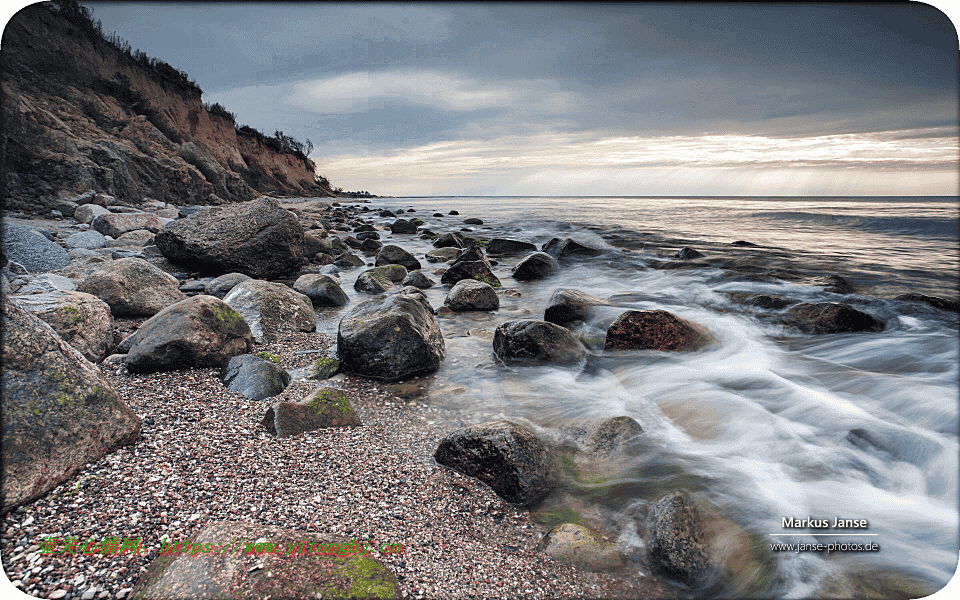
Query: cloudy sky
[{"x": 592, "y": 99}]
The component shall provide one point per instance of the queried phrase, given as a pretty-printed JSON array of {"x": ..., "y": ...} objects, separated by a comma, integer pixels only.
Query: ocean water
[{"x": 759, "y": 424}]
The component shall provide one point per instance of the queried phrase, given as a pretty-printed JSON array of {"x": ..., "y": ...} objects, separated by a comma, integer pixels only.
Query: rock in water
[
  {"x": 201, "y": 331},
  {"x": 271, "y": 309},
  {"x": 831, "y": 317},
  {"x": 418, "y": 279},
  {"x": 469, "y": 294},
  {"x": 132, "y": 286},
  {"x": 677, "y": 540},
  {"x": 934, "y": 301},
  {"x": 324, "y": 408},
  {"x": 506, "y": 456},
  {"x": 478, "y": 270},
  {"x": 655, "y": 330},
  {"x": 390, "y": 338},
  {"x": 403, "y": 226},
  {"x": 580, "y": 547},
  {"x": 395, "y": 255},
  {"x": 566, "y": 306},
  {"x": 257, "y": 238},
  {"x": 502, "y": 247},
  {"x": 323, "y": 290},
  {"x": 82, "y": 320},
  {"x": 59, "y": 412},
  {"x": 568, "y": 248},
  {"x": 537, "y": 342},
  {"x": 254, "y": 377},
  {"x": 535, "y": 266}
]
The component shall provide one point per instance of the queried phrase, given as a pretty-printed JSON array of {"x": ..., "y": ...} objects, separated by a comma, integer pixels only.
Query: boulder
[
  {"x": 506, "y": 456},
  {"x": 221, "y": 286},
  {"x": 349, "y": 259},
  {"x": 478, "y": 270},
  {"x": 200, "y": 331},
  {"x": 370, "y": 246},
  {"x": 580, "y": 547},
  {"x": 46, "y": 283},
  {"x": 254, "y": 377},
  {"x": 367, "y": 282},
  {"x": 391, "y": 338},
  {"x": 770, "y": 302},
  {"x": 323, "y": 290},
  {"x": 449, "y": 240},
  {"x": 655, "y": 330},
  {"x": 86, "y": 213},
  {"x": 418, "y": 279},
  {"x": 568, "y": 248},
  {"x": 537, "y": 342},
  {"x": 132, "y": 286},
  {"x": 677, "y": 538},
  {"x": 469, "y": 294},
  {"x": 403, "y": 226},
  {"x": 89, "y": 239},
  {"x": 472, "y": 221},
  {"x": 831, "y": 317},
  {"x": 137, "y": 237},
  {"x": 566, "y": 306},
  {"x": 82, "y": 320},
  {"x": 59, "y": 411},
  {"x": 324, "y": 408},
  {"x": 314, "y": 242},
  {"x": 504, "y": 247},
  {"x": 31, "y": 249},
  {"x": 395, "y": 255},
  {"x": 472, "y": 254},
  {"x": 834, "y": 284},
  {"x": 115, "y": 224},
  {"x": 271, "y": 309},
  {"x": 687, "y": 253},
  {"x": 604, "y": 436},
  {"x": 257, "y": 238},
  {"x": 442, "y": 254},
  {"x": 534, "y": 266},
  {"x": 288, "y": 564},
  {"x": 934, "y": 301}
]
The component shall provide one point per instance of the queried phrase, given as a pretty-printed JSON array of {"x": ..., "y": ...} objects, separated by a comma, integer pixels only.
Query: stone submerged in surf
[
  {"x": 537, "y": 343},
  {"x": 535, "y": 266},
  {"x": 676, "y": 548},
  {"x": 656, "y": 330},
  {"x": 831, "y": 317},
  {"x": 566, "y": 306}
]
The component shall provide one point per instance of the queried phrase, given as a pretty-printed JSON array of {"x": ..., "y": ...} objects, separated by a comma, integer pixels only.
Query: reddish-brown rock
[{"x": 655, "y": 330}]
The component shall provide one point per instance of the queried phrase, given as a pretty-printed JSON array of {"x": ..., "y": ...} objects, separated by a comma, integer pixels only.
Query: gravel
[{"x": 204, "y": 457}]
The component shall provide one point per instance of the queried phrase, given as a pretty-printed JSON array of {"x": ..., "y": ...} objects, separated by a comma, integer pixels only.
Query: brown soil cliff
[{"x": 81, "y": 113}]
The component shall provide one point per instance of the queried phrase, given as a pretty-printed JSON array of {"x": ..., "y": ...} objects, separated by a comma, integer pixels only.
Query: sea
[{"x": 770, "y": 423}]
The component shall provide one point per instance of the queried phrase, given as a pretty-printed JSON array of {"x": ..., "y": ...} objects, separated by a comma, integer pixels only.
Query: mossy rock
[
  {"x": 324, "y": 368},
  {"x": 268, "y": 356},
  {"x": 324, "y": 408}
]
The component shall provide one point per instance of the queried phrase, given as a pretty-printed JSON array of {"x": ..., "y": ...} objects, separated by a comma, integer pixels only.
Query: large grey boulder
[
  {"x": 48, "y": 282},
  {"x": 566, "y": 306},
  {"x": 504, "y": 455},
  {"x": 390, "y": 338},
  {"x": 656, "y": 330},
  {"x": 115, "y": 224},
  {"x": 271, "y": 309},
  {"x": 221, "y": 286},
  {"x": 82, "y": 320},
  {"x": 534, "y": 266},
  {"x": 323, "y": 290},
  {"x": 469, "y": 294},
  {"x": 201, "y": 331},
  {"x": 28, "y": 247},
  {"x": 254, "y": 377},
  {"x": 59, "y": 411},
  {"x": 537, "y": 342},
  {"x": 132, "y": 286},
  {"x": 86, "y": 213},
  {"x": 395, "y": 255},
  {"x": 257, "y": 238},
  {"x": 89, "y": 239}
]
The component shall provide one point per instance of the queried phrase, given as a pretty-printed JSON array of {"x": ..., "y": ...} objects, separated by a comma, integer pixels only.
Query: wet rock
[
  {"x": 506, "y": 247},
  {"x": 535, "y": 266},
  {"x": 349, "y": 259},
  {"x": 221, "y": 286},
  {"x": 314, "y": 242},
  {"x": 323, "y": 290},
  {"x": 472, "y": 254},
  {"x": 469, "y": 294},
  {"x": 32, "y": 250},
  {"x": 334, "y": 246},
  {"x": 369, "y": 283},
  {"x": 934, "y": 301},
  {"x": 324, "y": 368},
  {"x": 185, "y": 573},
  {"x": 580, "y": 547},
  {"x": 370, "y": 246},
  {"x": 323, "y": 409},
  {"x": 257, "y": 238},
  {"x": 254, "y": 377},
  {"x": 537, "y": 342},
  {"x": 82, "y": 320},
  {"x": 449, "y": 240},
  {"x": 472, "y": 221},
  {"x": 201, "y": 331},
  {"x": 418, "y": 280},
  {"x": 271, "y": 309},
  {"x": 676, "y": 548},
  {"x": 403, "y": 226},
  {"x": 743, "y": 244},
  {"x": 478, "y": 270},
  {"x": 900, "y": 444},
  {"x": 831, "y": 317},
  {"x": 88, "y": 239},
  {"x": 453, "y": 212},
  {"x": 115, "y": 225},
  {"x": 770, "y": 302},
  {"x": 59, "y": 411},
  {"x": 604, "y": 436},
  {"x": 566, "y": 306},
  {"x": 567, "y": 248},
  {"x": 507, "y": 457},
  {"x": 391, "y": 338},
  {"x": 655, "y": 330},
  {"x": 443, "y": 254},
  {"x": 132, "y": 286},
  {"x": 687, "y": 253},
  {"x": 395, "y": 255},
  {"x": 834, "y": 284}
]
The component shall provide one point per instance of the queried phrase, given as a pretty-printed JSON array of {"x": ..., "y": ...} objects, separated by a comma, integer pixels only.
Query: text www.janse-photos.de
[{"x": 304, "y": 548}]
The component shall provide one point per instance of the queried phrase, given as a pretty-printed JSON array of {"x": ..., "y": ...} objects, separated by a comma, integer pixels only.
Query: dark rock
[
  {"x": 371, "y": 284},
  {"x": 771, "y": 302},
  {"x": 655, "y": 330},
  {"x": 502, "y": 247},
  {"x": 438, "y": 214},
  {"x": 368, "y": 235},
  {"x": 834, "y": 284},
  {"x": 334, "y": 246},
  {"x": 370, "y": 245},
  {"x": 403, "y": 226},
  {"x": 472, "y": 221},
  {"x": 221, "y": 286},
  {"x": 535, "y": 266},
  {"x": 453, "y": 212},
  {"x": 118, "y": 254},
  {"x": 390, "y": 338},
  {"x": 687, "y": 253},
  {"x": 324, "y": 368},
  {"x": 831, "y": 317},
  {"x": 82, "y": 320},
  {"x": 469, "y": 294},
  {"x": 192, "y": 288},
  {"x": 537, "y": 342},
  {"x": 116, "y": 225},
  {"x": 257, "y": 238},
  {"x": 677, "y": 539},
  {"x": 59, "y": 411},
  {"x": 323, "y": 409},
  {"x": 395, "y": 255},
  {"x": 365, "y": 228},
  {"x": 348, "y": 259},
  {"x": 132, "y": 286},
  {"x": 387, "y": 213},
  {"x": 472, "y": 254},
  {"x": 254, "y": 377},
  {"x": 934, "y": 301},
  {"x": 506, "y": 456},
  {"x": 743, "y": 244},
  {"x": 900, "y": 443},
  {"x": 566, "y": 306},
  {"x": 314, "y": 240},
  {"x": 568, "y": 248},
  {"x": 449, "y": 240},
  {"x": 323, "y": 290},
  {"x": 418, "y": 280},
  {"x": 478, "y": 270},
  {"x": 201, "y": 331},
  {"x": 352, "y": 242}
]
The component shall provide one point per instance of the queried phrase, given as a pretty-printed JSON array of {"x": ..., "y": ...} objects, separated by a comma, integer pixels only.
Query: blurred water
[{"x": 762, "y": 421}]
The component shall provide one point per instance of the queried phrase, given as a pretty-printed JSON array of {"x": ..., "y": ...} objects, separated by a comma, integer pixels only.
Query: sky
[{"x": 582, "y": 99}]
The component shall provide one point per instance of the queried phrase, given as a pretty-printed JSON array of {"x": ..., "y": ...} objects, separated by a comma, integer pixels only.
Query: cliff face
[{"x": 80, "y": 115}]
